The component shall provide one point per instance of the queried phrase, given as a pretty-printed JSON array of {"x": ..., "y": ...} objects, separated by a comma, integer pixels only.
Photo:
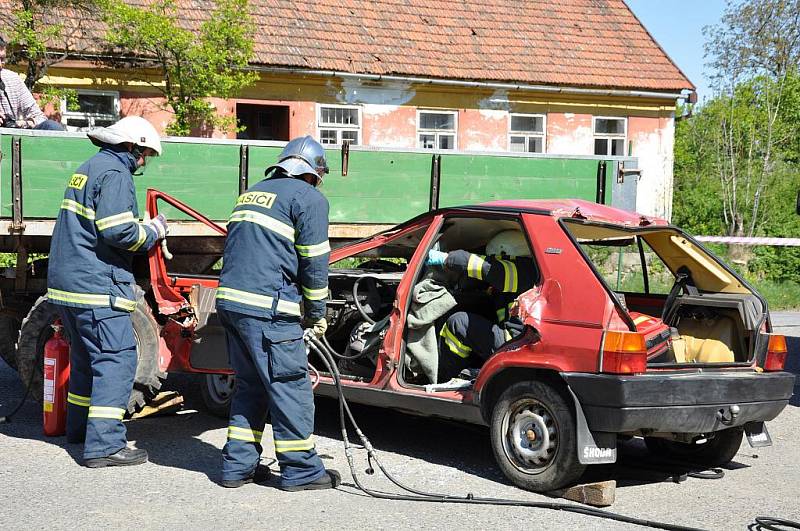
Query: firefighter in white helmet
[
  {"x": 91, "y": 284},
  {"x": 468, "y": 338}
]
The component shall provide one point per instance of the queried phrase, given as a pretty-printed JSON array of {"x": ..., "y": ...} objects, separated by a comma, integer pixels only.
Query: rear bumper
[{"x": 679, "y": 402}]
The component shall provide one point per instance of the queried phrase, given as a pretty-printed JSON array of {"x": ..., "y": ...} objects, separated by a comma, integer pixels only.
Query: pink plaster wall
[
  {"x": 482, "y": 130},
  {"x": 389, "y": 127},
  {"x": 302, "y": 118},
  {"x": 569, "y": 133}
]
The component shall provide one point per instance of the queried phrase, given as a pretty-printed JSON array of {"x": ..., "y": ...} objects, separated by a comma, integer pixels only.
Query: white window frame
[
  {"x": 610, "y": 138},
  {"x": 339, "y": 127},
  {"x": 528, "y": 135},
  {"x": 90, "y": 117},
  {"x": 436, "y": 132}
]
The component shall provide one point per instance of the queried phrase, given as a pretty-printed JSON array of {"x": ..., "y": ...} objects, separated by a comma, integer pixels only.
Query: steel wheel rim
[
  {"x": 220, "y": 386},
  {"x": 530, "y": 436}
]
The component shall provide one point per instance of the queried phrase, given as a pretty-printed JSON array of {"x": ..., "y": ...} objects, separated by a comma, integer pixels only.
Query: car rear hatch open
[{"x": 689, "y": 308}]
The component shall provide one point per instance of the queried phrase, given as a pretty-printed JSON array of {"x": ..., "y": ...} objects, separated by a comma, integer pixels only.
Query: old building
[{"x": 577, "y": 77}]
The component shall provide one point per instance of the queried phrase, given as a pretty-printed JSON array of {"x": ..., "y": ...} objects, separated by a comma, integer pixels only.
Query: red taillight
[
  {"x": 776, "y": 353},
  {"x": 624, "y": 352}
]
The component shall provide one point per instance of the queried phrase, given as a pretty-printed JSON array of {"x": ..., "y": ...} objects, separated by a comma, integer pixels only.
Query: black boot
[
  {"x": 261, "y": 474},
  {"x": 125, "y": 457},
  {"x": 330, "y": 480}
]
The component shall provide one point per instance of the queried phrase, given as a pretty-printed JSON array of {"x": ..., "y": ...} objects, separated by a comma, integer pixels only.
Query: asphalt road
[{"x": 42, "y": 484}]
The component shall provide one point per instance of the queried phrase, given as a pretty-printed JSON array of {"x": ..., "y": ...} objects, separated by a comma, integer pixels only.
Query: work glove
[
  {"x": 435, "y": 258},
  {"x": 316, "y": 326},
  {"x": 159, "y": 224}
]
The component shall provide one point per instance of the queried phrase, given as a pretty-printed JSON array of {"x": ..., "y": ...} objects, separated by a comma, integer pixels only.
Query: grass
[{"x": 780, "y": 295}]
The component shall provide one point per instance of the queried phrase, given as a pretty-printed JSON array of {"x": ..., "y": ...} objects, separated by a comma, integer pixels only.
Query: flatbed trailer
[{"x": 369, "y": 189}]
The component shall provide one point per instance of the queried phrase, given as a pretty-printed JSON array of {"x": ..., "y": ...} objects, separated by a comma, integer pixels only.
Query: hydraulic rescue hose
[
  {"x": 327, "y": 357},
  {"x": 4, "y": 419}
]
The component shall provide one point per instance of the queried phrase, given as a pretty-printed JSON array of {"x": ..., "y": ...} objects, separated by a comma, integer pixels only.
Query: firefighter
[
  {"x": 467, "y": 338},
  {"x": 274, "y": 283},
  {"x": 89, "y": 280}
]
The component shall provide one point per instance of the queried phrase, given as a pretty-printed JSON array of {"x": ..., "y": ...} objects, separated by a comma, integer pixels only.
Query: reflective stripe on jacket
[
  {"x": 508, "y": 276},
  {"x": 276, "y": 252},
  {"x": 96, "y": 234}
]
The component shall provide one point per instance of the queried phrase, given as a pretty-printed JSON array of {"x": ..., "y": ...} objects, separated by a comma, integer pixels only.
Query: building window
[
  {"x": 95, "y": 109},
  {"x": 339, "y": 124},
  {"x": 526, "y": 133},
  {"x": 437, "y": 129},
  {"x": 609, "y": 136}
]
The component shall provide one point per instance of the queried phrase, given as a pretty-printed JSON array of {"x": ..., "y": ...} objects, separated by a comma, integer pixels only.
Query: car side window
[{"x": 619, "y": 262}]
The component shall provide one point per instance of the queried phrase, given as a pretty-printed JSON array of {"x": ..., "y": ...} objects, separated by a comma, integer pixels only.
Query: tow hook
[{"x": 729, "y": 417}]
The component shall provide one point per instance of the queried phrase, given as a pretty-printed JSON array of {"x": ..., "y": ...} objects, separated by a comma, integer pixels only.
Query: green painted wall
[{"x": 380, "y": 187}]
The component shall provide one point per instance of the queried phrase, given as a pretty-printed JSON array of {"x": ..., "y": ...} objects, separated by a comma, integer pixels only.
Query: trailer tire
[
  {"x": 717, "y": 451},
  {"x": 35, "y": 331},
  {"x": 550, "y": 460},
  {"x": 10, "y": 322},
  {"x": 217, "y": 393}
]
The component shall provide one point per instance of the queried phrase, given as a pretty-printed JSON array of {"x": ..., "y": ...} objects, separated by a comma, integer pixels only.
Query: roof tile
[{"x": 596, "y": 43}]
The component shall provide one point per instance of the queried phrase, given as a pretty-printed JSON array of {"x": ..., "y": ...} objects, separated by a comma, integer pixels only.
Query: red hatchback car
[{"x": 632, "y": 329}]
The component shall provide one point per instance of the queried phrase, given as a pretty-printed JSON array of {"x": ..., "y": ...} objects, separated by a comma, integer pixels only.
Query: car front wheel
[
  {"x": 534, "y": 437},
  {"x": 217, "y": 392}
]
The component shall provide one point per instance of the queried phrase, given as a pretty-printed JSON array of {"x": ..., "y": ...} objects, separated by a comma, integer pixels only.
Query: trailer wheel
[
  {"x": 10, "y": 322},
  {"x": 718, "y": 449},
  {"x": 35, "y": 331},
  {"x": 217, "y": 391},
  {"x": 534, "y": 438}
]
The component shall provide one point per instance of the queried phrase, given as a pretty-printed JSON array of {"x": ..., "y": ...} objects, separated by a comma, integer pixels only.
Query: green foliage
[
  {"x": 737, "y": 157},
  {"x": 39, "y": 39},
  {"x": 193, "y": 66},
  {"x": 54, "y": 96}
]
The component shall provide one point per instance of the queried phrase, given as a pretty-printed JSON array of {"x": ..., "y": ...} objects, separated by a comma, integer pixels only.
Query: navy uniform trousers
[
  {"x": 465, "y": 340},
  {"x": 271, "y": 365},
  {"x": 102, "y": 370}
]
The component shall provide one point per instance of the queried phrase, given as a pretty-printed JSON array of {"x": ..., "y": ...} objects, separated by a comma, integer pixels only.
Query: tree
[
  {"x": 192, "y": 66},
  {"x": 40, "y": 39},
  {"x": 755, "y": 53}
]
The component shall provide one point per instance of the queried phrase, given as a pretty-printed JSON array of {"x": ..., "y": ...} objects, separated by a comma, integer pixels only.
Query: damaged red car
[{"x": 631, "y": 328}]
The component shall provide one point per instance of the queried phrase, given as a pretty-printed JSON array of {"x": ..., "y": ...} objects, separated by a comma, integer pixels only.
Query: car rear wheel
[
  {"x": 217, "y": 392},
  {"x": 534, "y": 437},
  {"x": 718, "y": 449}
]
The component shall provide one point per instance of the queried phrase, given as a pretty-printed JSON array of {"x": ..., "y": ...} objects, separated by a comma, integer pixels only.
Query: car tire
[
  {"x": 547, "y": 461},
  {"x": 717, "y": 451},
  {"x": 36, "y": 330},
  {"x": 217, "y": 393}
]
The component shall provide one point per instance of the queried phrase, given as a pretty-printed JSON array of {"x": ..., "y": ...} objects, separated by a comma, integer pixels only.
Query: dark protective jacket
[
  {"x": 277, "y": 250},
  {"x": 96, "y": 235},
  {"x": 508, "y": 277}
]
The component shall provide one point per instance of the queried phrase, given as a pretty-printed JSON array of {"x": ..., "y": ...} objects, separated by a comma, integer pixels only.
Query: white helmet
[
  {"x": 509, "y": 242},
  {"x": 133, "y": 129}
]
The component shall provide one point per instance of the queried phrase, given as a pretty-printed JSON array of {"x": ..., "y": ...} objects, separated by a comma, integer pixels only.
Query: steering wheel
[{"x": 373, "y": 302}]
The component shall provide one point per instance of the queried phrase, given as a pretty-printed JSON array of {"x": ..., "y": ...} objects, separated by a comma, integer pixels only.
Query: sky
[{"x": 677, "y": 25}]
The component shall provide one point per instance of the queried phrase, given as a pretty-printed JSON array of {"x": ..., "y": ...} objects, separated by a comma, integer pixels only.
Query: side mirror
[{"x": 797, "y": 204}]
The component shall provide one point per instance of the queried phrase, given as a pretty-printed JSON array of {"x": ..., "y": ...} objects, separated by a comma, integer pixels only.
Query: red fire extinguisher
[{"x": 56, "y": 382}]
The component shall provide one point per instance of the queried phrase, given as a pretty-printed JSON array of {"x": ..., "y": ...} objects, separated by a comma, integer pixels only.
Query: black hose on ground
[
  {"x": 421, "y": 496},
  {"x": 5, "y": 419}
]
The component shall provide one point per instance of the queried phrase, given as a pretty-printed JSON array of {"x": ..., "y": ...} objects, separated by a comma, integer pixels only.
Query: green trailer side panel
[
  {"x": 381, "y": 186},
  {"x": 468, "y": 179},
  {"x": 203, "y": 176}
]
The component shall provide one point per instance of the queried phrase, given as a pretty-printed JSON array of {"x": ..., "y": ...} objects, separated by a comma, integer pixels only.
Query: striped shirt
[{"x": 22, "y": 105}]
